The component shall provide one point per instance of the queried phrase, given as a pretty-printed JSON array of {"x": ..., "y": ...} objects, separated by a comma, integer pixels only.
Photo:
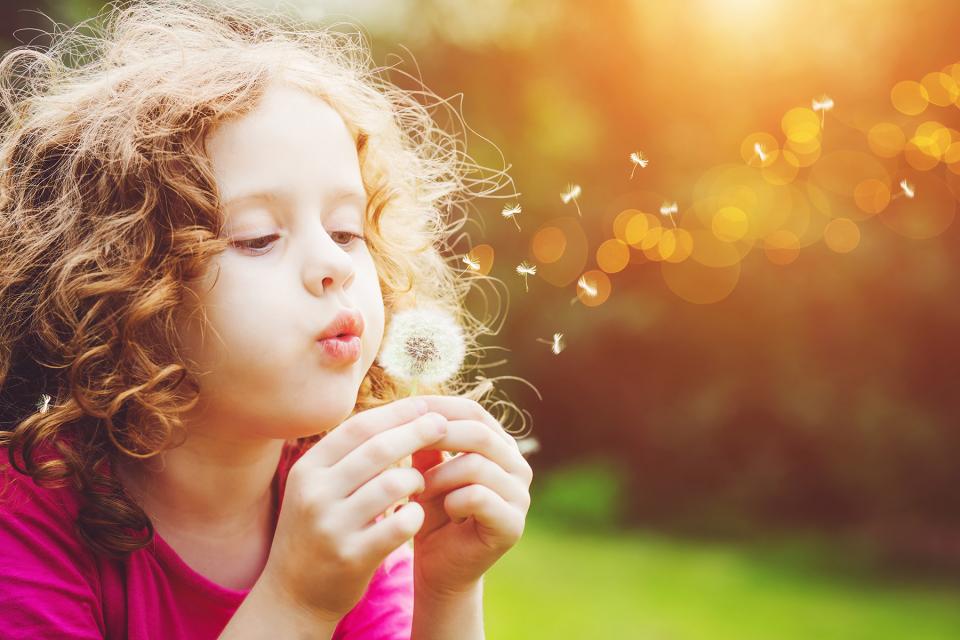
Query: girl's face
[{"x": 289, "y": 179}]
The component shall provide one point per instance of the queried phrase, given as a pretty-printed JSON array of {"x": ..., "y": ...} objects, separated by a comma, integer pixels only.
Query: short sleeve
[
  {"x": 49, "y": 579},
  {"x": 386, "y": 610}
]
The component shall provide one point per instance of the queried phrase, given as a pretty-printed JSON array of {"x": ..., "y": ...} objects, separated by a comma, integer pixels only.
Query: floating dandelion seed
[
  {"x": 588, "y": 288},
  {"x": 906, "y": 189},
  {"x": 556, "y": 345},
  {"x": 572, "y": 192},
  {"x": 471, "y": 262},
  {"x": 422, "y": 345},
  {"x": 43, "y": 404},
  {"x": 668, "y": 209},
  {"x": 638, "y": 160},
  {"x": 528, "y": 445},
  {"x": 760, "y": 151},
  {"x": 525, "y": 270},
  {"x": 823, "y": 104},
  {"x": 511, "y": 212}
]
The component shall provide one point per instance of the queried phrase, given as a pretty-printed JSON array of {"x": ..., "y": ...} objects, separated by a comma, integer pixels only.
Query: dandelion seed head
[
  {"x": 423, "y": 344},
  {"x": 824, "y": 103},
  {"x": 510, "y": 210},
  {"x": 588, "y": 288},
  {"x": 668, "y": 208},
  {"x": 528, "y": 445},
  {"x": 572, "y": 192},
  {"x": 760, "y": 151},
  {"x": 638, "y": 158},
  {"x": 43, "y": 404},
  {"x": 527, "y": 269},
  {"x": 557, "y": 346},
  {"x": 907, "y": 188}
]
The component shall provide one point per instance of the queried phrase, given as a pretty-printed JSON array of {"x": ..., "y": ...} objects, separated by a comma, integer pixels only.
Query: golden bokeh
[
  {"x": 698, "y": 283},
  {"x": 840, "y": 172},
  {"x": 680, "y": 245},
  {"x": 909, "y": 97},
  {"x": 886, "y": 139},
  {"x": 613, "y": 255},
  {"x": 548, "y": 244},
  {"x": 730, "y": 224},
  {"x": 781, "y": 247},
  {"x": 872, "y": 196},
  {"x": 783, "y": 169},
  {"x": 842, "y": 235},
  {"x": 801, "y": 125},
  {"x": 942, "y": 89},
  {"x": 621, "y": 221}
]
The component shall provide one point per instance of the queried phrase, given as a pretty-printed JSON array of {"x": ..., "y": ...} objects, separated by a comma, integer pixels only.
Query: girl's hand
[
  {"x": 328, "y": 541},
  {"x": 475, "y": 504}
]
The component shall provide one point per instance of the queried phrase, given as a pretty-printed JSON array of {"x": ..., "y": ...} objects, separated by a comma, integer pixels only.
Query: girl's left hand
[{"x": 475, "y": 504}]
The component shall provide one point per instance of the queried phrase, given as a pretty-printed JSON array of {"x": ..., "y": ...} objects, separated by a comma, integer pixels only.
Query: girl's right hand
[{"x": 327, "y": 544}]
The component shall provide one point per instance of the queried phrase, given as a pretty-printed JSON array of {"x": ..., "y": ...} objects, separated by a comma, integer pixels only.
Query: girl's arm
[
  {"x": 266, "y": 614},
  {"x": 459, "y": 616}
]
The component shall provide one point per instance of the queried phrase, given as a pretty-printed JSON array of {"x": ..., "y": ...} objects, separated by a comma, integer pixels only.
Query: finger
[
  {"x": 383, "y": 450},
  {"x": 373, "y": 498},
  {"x": 473, "y": 468},
  {"x": 361, "y": 427},
  {"x": 459, "y": 408},
  {"x": 496, "y": 520},
  {"x": 471, "y": 435},
  {"x": 386, "y": 534}
]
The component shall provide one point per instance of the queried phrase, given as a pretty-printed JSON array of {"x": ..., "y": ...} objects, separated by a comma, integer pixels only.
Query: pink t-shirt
[{"x": 53, "y": 586}]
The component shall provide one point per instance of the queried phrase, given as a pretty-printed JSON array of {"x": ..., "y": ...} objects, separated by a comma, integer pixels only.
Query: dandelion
[
  {"x": 760, "y": 151},
  {"x": 511, "y": 211},
  {"x": 528, "y": 445},
  {"x": 525, "y": 270},
  {"x": 43, "y": 404},
  {"x": 556, "y": 345},
  {"x": 471, "y": 262},
  {"x": 422, "y": 345},
  {"x": 906, "y": 189},
  {"x": 572, "y": 192},
  {"x": 823, "y": 104},
  {"x": 638, "y": 160},
  {"x": 668, "y": 209}
]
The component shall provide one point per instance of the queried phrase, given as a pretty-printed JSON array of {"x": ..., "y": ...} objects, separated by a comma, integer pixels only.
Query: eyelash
[{"x": 243, "y": 243}]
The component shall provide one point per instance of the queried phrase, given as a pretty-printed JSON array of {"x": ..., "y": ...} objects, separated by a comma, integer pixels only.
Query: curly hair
[{"x": 109, "y": 207}]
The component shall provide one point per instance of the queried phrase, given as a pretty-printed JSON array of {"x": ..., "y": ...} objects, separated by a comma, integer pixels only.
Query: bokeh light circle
[
  {"x": 909, "y": 97},
  {"x": 483, "y": 254},
  {"x": 842, "y": 235},
  {"x": 548, "y": 244},
  {"x": 613, "y": 255},
  {"x": 872, "y": 196},
  {"x": 801, "y": 125},
  {"x": 781, "y": 247},
  {"x": 700, "y": 284},
  {"x": 886, "y": 139},
  {"x": 730, "y": 224}
]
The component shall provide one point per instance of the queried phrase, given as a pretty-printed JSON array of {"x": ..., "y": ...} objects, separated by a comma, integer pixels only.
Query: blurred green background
[{"x": 778, "y": 463}]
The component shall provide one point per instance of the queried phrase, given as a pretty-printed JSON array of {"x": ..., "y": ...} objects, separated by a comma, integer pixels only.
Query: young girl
[{"x": 205, "y": 228}]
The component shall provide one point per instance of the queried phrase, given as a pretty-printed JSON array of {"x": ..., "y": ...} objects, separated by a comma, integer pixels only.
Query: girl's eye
[
  {"x": 351, "y": 236},
  {"x": 254, "y": 243}
]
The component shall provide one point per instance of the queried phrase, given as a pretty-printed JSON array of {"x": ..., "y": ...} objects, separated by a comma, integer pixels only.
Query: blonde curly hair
[{"x": 109, "y": 207}]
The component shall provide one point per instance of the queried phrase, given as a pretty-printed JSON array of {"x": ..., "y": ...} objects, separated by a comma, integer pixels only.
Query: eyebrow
[{"x": 338, "y": 195}]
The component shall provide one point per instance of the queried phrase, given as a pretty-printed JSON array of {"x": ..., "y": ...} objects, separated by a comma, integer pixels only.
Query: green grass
[{"x": 561, "y": 583}]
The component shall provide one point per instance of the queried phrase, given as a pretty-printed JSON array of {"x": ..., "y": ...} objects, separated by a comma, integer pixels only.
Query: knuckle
[
  {"x": 473, "y": 461},
  {"x": 378, "y": 450}
]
